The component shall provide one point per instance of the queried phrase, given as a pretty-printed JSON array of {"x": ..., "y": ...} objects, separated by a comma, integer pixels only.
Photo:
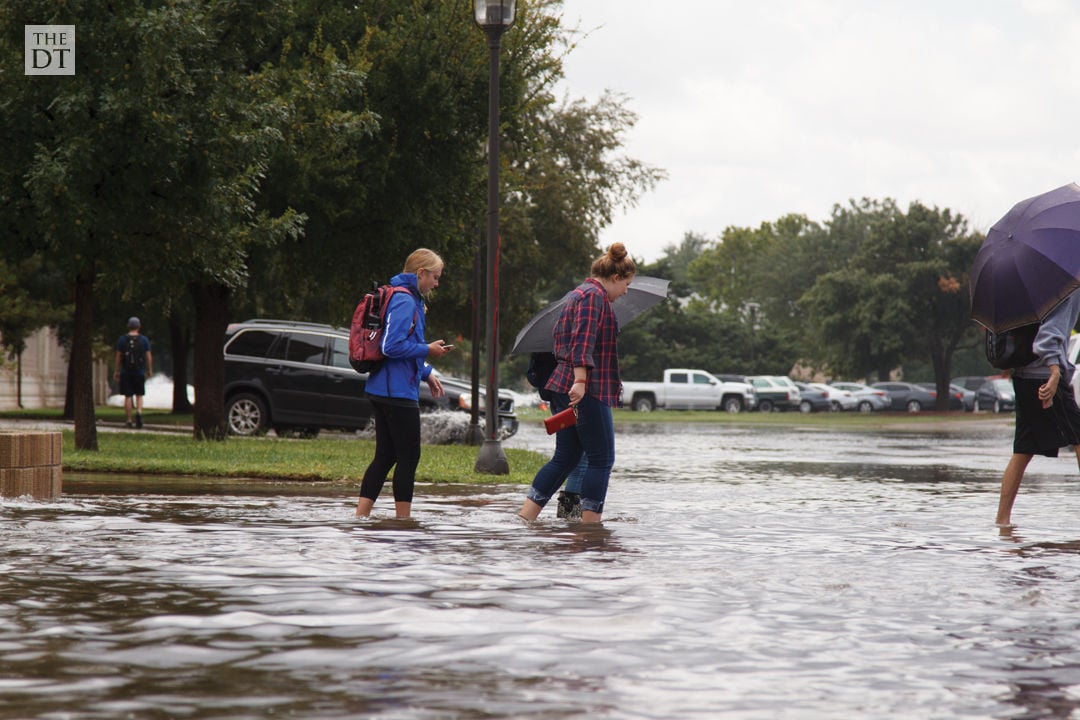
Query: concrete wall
[{"x": 44, "y": 375}]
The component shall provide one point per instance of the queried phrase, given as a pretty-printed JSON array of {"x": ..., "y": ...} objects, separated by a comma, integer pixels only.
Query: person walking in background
[
  {"x": 394, "y": 388},
  {"x": 586, "y": 377},
  {"x": 1047, "y": 416},
  {"x": 134, "y": 363}
]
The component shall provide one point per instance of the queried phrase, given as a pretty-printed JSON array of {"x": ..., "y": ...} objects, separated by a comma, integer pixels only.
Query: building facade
[{"x": 40, "y": 380}]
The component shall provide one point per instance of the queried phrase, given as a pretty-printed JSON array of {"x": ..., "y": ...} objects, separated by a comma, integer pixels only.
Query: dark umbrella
[
  {"x": 644, "y": 292},
  {"x": 1029, "y": 262}
]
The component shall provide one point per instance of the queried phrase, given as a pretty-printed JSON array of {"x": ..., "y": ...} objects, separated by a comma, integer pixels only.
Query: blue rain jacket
[{"x": 403, "y": 345}]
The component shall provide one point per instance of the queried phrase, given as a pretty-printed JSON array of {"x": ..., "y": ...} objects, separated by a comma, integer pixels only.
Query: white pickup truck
[{"x": 683, "y": 389}]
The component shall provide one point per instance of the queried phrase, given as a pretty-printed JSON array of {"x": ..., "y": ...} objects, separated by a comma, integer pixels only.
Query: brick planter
[{"x": 31, "y": 464}]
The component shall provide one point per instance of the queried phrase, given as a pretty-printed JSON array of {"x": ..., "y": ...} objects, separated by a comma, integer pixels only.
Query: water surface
[{"x": 739, "y": 573}]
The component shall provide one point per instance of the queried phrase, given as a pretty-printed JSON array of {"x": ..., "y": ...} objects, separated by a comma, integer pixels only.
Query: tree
[
  {"x": 565, "y": 180},
  {"x": 161, "y": 143},
  {"x": 757, "y": 276},
  {"x": 902, "y": 294},
  {"x": 277, "y": 157}
]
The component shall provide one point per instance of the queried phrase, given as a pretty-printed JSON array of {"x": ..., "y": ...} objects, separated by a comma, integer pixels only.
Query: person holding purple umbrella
[{"x": 1047, "y": 416}]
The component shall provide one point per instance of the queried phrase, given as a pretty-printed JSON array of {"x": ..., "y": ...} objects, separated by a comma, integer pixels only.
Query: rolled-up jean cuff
[
  {"x": 592, "y": 505},
  {"x": 538, "y": 498}
]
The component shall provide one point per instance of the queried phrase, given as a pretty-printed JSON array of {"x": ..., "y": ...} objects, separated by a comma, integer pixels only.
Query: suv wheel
[
  {"x": 765, "y": 406},
  {"x": 733, "y": 405},
  {"x": 246, "y": 414}
]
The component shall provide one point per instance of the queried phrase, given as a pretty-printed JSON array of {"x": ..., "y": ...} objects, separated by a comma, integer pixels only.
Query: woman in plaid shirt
[{"x": 586, "y": 377}]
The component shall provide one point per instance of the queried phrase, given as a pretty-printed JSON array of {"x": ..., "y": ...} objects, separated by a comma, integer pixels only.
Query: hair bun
[{"x": 617, "y": 251}]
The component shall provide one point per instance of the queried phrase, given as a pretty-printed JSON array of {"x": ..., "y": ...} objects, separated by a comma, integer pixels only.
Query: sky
[{"x": 761, "y": 108}]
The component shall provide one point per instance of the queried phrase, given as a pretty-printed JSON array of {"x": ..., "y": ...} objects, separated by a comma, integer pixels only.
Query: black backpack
[
  {"x": 133, "y": 353},
  {"x": 1012, "y": 348},
  {"x": 541, "y": 365}
]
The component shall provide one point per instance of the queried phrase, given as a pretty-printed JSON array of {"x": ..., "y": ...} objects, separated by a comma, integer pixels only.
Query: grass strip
[{"x": 329, "y": 459}]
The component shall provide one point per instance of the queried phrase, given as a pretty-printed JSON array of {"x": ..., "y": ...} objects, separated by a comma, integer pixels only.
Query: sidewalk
[{"x": 9, "y": 424}]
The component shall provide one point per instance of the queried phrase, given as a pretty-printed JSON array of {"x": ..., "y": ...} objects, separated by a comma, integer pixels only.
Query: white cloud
[{"x": 761, "y": 109}]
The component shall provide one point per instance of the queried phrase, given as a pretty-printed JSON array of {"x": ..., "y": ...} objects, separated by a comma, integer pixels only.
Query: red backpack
[{"x": 368, "y": 325}]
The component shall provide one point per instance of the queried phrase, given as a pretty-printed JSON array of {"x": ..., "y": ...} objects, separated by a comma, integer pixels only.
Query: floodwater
[{"x": 739, "y": 573}]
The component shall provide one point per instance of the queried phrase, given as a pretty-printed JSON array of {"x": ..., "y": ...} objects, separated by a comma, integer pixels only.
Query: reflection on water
[{"x": 738, "y": 573}]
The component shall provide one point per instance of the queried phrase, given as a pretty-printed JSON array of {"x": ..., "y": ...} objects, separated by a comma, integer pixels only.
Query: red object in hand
[{"x": 561, "y": 421}]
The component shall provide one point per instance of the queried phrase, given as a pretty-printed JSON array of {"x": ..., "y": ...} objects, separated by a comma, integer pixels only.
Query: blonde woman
[{"x": 394, "y": 388}]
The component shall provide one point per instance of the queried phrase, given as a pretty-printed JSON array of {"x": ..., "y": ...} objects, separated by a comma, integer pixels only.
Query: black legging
[{"x": 397, "y": 442}]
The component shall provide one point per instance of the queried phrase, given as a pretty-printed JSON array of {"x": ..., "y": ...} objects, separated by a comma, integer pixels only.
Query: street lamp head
[{"x": 495, "y": 13}]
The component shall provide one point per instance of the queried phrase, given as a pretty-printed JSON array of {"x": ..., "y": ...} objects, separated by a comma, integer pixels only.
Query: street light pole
[
  {"x": 474, "y": 435},
  {"x": 494, "y": 16}
]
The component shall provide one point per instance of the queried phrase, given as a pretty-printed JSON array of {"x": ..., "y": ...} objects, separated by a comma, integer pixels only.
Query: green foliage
[
  {"x": 900, "y": 295},
  {"x": 565, "y": 180},
  {"x": 871, "y": 290}
]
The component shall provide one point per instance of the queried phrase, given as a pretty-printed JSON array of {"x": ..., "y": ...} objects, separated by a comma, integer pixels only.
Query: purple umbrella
[
  {"x": 1029, "y": 262},
  {"x": 644, "y": 292}
]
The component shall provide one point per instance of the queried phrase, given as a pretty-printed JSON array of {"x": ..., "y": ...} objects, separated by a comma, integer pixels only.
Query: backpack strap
[{"x": 416, "y": 313}]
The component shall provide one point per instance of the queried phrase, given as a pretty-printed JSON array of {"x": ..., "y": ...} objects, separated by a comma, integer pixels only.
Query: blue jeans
[
  {"x": 576, "y": 477},
  {"x": 593, "y": 436}
]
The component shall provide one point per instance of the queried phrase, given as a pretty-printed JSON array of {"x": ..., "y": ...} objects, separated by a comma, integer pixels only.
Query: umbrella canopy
[
  {"x": 643, "y": 293},
  {"x": 1029, "y": 262}
]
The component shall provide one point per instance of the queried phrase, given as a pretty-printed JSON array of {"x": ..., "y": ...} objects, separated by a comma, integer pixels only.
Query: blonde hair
[
  {"x": 423, "y": 259},
  {"x": 616, "y": 262}
]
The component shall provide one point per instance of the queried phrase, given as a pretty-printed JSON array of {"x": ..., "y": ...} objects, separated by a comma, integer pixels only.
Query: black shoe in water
[
  {"x": 569, "y": 505},
  {"x": 138, "y": 420}
]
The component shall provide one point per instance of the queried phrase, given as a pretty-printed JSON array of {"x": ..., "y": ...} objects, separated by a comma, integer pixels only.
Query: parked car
[
  {"x": 997, "y": 395},
  {"x": 774, "y": 392},
  {"x": 812, "y": 399},
  {"x": 295, "y": 378},
  {"x": 959, "y": 398},
  {"x": 967, "y": 397},
  {"x": 459, "y": 397},
  {"x": 292, "y": 377},
  {"x": 686, "y": 389},
  {"x": 971, "y": 382},
  {"x": 840, "y": 399},
  {"x": 869, "y": 399},
  {"x": 908, "y": 396}
]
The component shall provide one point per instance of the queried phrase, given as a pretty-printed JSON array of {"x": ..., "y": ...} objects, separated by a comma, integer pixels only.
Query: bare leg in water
[
  {"x": 401, "y": 509},
  {"x": 530, "y": 510},
  {"x": 1010, "y": 485}
]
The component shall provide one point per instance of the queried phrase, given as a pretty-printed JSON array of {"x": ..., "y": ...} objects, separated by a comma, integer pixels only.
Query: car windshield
[{"x": 1002, "y": 383}]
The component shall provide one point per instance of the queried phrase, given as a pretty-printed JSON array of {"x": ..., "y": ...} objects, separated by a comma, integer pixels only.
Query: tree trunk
[
  {"x": 180, "y": 339},
  {"x": 941, "y": 359},
  {"x": 82, "y": 364},
  {"x": 211, "y": 319},
  {"x": 69, "y": 393}
]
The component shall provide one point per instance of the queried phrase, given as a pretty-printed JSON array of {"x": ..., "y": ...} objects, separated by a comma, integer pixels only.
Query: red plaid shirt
[{"x": 585, "y": 336}]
